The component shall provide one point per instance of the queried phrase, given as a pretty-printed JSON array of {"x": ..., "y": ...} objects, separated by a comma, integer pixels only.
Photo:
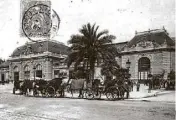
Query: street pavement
[{"x": 19, "y": 107}]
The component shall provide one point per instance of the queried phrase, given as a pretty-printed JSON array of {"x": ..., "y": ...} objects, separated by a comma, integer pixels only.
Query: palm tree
[{"x": 90, "y": 47}]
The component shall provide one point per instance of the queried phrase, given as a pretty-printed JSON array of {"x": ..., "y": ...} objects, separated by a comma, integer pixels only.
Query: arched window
[
  {"x": 38, "y": 67},
  {"x": 144, "y": 64},
  {"x": 26, "y": 68},
  {"x": 39, "y": 71},
  {"x": 143, "y": 68},
  {"x": 26, "y": 72},
  {"x": 16, "y": 69}
]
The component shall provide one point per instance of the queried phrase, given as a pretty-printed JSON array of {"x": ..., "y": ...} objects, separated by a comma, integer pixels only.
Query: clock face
[{"x": 37, "y": 22}]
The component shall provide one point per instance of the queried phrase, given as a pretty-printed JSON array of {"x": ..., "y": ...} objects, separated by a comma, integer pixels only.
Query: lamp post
[
  {"x": 34, "y": 68},
  {"x": 150, "y": 80},
  {"x": 128, "y": 76},
  {"x": 128, "y": 64}
]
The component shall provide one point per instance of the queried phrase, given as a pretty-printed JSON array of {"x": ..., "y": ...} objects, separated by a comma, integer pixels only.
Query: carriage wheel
[
  {"x": 50, "y": 91},
  {"x": 58, "y": 93},
  {"x": 89, "y": 94},
  {"x": 110, "y": 95},
  {"x": 43, "y": 92},
  {"x": 35, "y": 94},
  {"x": 97, "y": 94},
  {"x": 116, "y": 94}
]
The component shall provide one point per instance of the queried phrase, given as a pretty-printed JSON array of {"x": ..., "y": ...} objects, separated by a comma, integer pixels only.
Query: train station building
[
  {"x": 38, "y": 60},
  {"x": 148, "y": 52}
]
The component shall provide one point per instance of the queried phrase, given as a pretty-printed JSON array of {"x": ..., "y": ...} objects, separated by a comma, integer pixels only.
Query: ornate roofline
[{"x": 151, "y": 31}]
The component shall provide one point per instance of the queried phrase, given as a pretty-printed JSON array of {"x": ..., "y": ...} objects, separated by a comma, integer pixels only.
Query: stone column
[
  {"x": 31, "y": 71},
  {"x": 166, "y": 57},
  {"x": 21, "y": 74},
  {"x": 48, "y": 69}
]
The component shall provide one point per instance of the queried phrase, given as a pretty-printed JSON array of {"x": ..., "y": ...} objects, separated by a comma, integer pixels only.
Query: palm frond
[
  {"x": 95, "y": 31},
  {"x": 107, "y": 39},
  {"x": 104, "y": 32}
]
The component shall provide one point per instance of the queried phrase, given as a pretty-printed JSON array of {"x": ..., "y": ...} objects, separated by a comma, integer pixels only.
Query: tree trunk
[{"x": 92, "y": 67}]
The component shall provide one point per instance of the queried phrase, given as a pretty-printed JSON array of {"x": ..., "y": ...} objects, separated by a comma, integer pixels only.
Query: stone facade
[
  {"x": 4, "y": 75},
  {"x": 38, "y": 61},
  {"x": 4, "y": 72},
  {"x": 154, "y": 45}
]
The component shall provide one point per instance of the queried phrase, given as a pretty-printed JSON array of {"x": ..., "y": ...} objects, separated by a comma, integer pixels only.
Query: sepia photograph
[{"x": 87, "y": 60}]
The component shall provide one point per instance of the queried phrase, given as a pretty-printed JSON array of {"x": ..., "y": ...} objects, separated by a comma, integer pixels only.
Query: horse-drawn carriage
[
  {"x": 112, "y": 90},
  {"x": 40, "y": 87},
  {"x": 56, "y": 87}
]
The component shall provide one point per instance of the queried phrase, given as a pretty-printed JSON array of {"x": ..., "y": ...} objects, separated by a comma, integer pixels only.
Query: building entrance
[{"x": 143, "y": 68}]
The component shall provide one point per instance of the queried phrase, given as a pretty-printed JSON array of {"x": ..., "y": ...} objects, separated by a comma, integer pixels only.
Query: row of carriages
[{"x": 59, "y": 87}]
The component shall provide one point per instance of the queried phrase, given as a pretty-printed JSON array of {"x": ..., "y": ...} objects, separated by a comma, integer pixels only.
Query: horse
[
  {"x": 18, "y": 85},
  {"x": 122, "y": 89},
  {"x": 39, "y": 86},
  {"x": 77, "y": 84},
  {"x": 95, "y": 86},
  {"x": 27, "y": 86}
]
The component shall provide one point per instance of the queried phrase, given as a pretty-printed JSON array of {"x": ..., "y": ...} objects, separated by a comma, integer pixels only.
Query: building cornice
[
  {"x": 145, "y": 51},
  {"x": 37, "y": 56}
]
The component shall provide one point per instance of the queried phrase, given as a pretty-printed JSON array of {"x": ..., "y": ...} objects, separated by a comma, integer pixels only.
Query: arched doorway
[
  {"x": 2, "y": 78},
  {"x": 143, "y": 68}
]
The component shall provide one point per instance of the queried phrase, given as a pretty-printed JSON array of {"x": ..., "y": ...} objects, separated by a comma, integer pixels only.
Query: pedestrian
[
  {"x": 138, "y": 86},
  {"x": 150, "y": 86}
]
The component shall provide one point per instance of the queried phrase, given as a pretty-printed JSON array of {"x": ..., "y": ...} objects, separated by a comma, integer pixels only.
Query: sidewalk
[
  {"x": 144, "y": 93},
  {"x": 154, "y": 95},
  {"x": 6, "y": 88}
]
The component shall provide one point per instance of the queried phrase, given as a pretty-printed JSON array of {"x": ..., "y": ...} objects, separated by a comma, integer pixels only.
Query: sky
[{"x": 121, "y": 17}]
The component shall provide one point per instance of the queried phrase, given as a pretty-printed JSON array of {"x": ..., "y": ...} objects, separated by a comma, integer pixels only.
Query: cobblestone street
[{"x": 19, "y": 107}]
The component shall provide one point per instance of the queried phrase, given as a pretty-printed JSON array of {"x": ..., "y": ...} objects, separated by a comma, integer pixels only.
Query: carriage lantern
[
  {"x": 128, "y": 67},
  {"x": 128, "y": 64}
]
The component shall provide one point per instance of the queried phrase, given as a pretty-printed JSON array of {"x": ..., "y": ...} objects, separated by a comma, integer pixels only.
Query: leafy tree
[
  {"x": 90, "y": 47},
  {"x": 171, "y": 75},
  {"x": 111, "y": 68},
  {"x": 171, "y": 80}
]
